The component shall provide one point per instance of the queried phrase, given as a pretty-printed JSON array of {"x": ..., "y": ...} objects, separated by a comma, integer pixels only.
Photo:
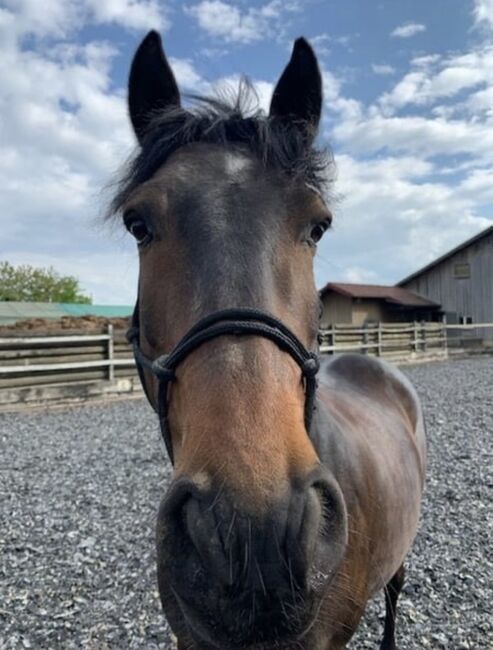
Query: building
[
  {"x": 357, "y": 304},
  {"x": 461, "y": 281}
]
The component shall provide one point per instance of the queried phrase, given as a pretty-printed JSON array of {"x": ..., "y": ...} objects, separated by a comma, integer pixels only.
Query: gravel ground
[{"x": 79, "y": 488}]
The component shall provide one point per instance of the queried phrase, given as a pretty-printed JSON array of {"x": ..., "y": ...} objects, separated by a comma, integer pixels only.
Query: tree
[{"x": 30, "y": 284}]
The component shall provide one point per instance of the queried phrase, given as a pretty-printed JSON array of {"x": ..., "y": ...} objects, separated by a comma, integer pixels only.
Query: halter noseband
[{"x": 227, "y": 322}]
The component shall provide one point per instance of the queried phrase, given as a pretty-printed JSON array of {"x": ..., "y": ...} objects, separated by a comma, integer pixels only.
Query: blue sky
[{"x": 408, "y": 112}]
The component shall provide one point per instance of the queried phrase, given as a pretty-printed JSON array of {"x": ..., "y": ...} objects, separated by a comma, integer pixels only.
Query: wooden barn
[
  {"x": 462, "y": 282},
  {"x": 360, "y": 304}
]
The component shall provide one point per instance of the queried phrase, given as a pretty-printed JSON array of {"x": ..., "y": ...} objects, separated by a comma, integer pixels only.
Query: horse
[{"x": 297, "y": 480}]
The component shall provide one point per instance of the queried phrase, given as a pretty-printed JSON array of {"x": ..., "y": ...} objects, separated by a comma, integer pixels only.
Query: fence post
[
  {"x": 365, "y": 338},
  {"x": 332, "y": 337},
  {"x": 111, "y": 353},
  {"x": 444, "y": 338},
  {"x": 423, "y": 333},
  {"x": 379, "y": 339},
  {"x": 415, "y": 334}
]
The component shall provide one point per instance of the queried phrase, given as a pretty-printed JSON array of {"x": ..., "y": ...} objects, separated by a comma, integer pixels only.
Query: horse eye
[
  {"x": 318, "y": 230},
  {"x": 137, "y": 227}
]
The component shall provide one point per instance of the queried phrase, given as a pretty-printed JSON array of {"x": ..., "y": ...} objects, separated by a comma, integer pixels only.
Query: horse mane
[{"x": 233, "y": 118}]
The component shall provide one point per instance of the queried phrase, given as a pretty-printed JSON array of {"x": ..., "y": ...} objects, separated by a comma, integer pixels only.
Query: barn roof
[
  {"x": 394, "y": 295},
  {"x": 457, "y": 249}
]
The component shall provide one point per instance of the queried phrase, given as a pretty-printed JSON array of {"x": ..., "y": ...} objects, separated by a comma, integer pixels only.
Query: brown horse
[{"x": 286, "y": 512}]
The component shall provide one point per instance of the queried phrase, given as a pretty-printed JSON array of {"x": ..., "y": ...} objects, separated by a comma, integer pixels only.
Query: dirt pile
[{"x": 68, "y": 323}]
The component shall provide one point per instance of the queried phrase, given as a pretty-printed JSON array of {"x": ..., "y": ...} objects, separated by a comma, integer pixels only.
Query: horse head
[{"x": 227, "y": 207}]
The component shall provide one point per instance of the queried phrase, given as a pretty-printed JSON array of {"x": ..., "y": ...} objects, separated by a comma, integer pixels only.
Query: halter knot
[
  {"x": 132, "y": 334},
  {"x": 311, "y": 366},
  {"x": 161, "y": 370}
]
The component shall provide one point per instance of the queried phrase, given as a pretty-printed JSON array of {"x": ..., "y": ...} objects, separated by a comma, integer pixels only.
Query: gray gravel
[{"x": 79, "y": 488}]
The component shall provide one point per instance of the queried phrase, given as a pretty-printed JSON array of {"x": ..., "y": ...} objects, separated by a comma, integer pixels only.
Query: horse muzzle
[{"x": 239, "y": 578}]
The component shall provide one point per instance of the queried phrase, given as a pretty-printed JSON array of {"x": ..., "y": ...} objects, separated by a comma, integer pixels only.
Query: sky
[{"x": 408, "y": 114}]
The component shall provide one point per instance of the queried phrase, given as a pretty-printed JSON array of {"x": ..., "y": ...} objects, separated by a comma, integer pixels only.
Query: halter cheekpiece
[{"x": 240, "y": 321}]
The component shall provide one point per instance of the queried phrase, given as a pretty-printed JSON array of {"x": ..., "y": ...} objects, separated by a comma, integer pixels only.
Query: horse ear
[
  {"x": 152, "y": 85},
  {"x": 298, "y": 94}
]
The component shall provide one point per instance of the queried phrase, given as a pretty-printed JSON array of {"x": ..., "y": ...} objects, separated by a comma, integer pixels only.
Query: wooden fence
[
  {"x": 394, "y": 341},
  {"x": 73, "y": 364},
  {"x": 46, "y": 358},
  {"x": 78, "y": 364}
]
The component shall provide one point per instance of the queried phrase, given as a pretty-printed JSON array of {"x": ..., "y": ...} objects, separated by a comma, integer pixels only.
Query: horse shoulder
[
  {"x": 370, "y": 434},
  {"x": 369, "y": 378}
]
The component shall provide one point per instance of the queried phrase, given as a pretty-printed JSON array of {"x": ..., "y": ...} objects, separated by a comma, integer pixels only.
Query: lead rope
[{"x": 227, "y": 322}]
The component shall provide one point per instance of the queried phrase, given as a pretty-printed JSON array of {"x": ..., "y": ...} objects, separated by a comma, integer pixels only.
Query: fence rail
[
  {"x": 53, "y": 367},
  {"x": 469, "y": 326}
]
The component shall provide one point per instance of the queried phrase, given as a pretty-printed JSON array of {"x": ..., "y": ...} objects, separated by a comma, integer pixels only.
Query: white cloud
[
  {"x": 480, "y": 102},
  {"x": 407, "y": 30},
  {"x": 359, "y": 275},
  {"x": 49, "y": 18},
  {"x": 218, "y": 18},
  {"x": 134, "y": 14},
  {"x": 64, "y": 132},
  {"x": 227, "y": 21},
  {"x": 434, "y": 77},
  {"x": 416, "y": 134},
  {"x": 186, "y": 75},
  {"x": 382, "y": 68},
  {"x": 483, "y": 12},
  {"x": 331, "y": 85},
  {"x": 59, "y": 18},
  {"x": 414, "y": 168},
  {"x": 392, "y": 219},
  {"x": 264, "y": 91},
  {"x": 349, "y": 110},
  {"x": 478, "y": 185}
]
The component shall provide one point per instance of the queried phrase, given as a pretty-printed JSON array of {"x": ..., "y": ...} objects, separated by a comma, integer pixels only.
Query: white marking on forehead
[{"x": 235, "y": 163}]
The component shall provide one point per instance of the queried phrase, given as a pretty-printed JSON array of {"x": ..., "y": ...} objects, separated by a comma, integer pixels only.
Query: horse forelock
[{"x": 234, "y": 119}]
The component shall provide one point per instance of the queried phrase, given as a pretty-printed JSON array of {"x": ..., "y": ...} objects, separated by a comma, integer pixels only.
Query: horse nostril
[
  {"x": 330, "y": 535},
  {"x": 192, "y": 529},
  {"x": 329, "y": 507},
  {"x": 196, "y": 527},
  {"x": 176, "y": 512},
  {"x": 172, "y": 506}
]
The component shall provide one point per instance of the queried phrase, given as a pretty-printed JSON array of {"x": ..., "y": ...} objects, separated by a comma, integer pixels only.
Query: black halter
[{"x": 227, "y": 322}]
